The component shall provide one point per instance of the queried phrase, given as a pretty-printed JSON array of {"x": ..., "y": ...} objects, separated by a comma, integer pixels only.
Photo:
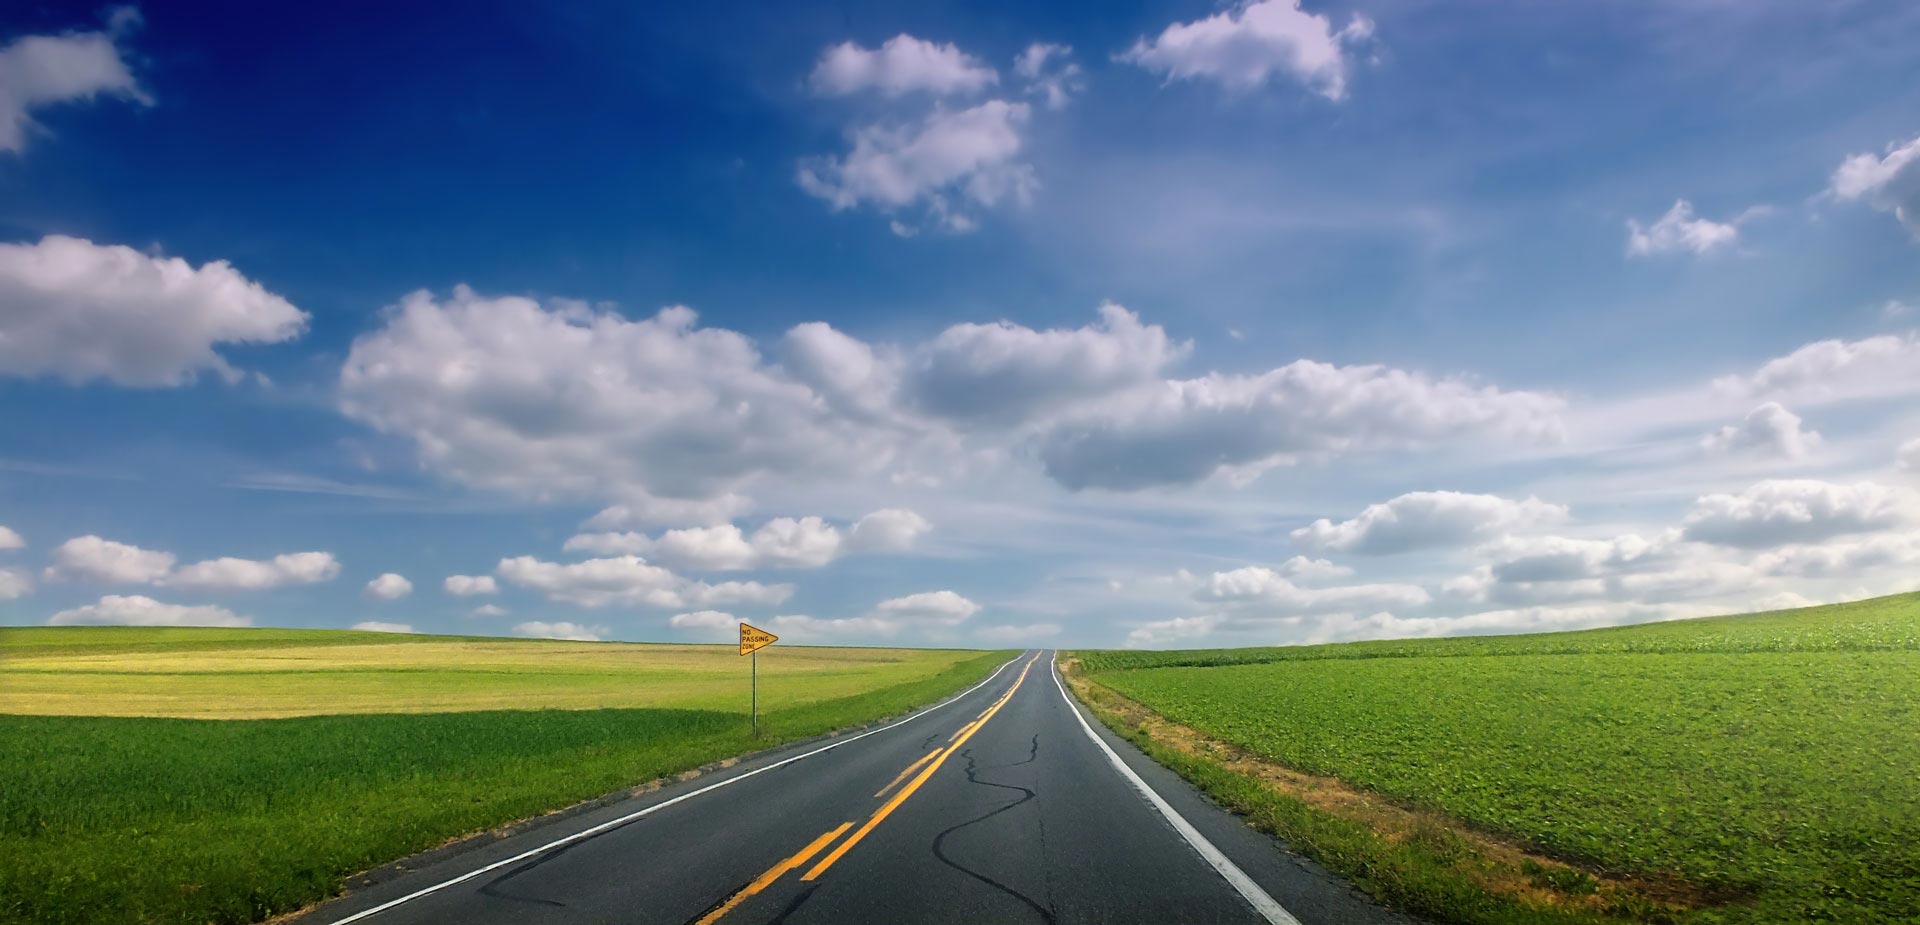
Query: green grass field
[
  {"x": 1767, "y": 762},
  {"x": 135, "y": 807}
]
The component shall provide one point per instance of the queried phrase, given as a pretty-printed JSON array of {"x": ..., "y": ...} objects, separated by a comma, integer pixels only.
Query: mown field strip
[{"x": 124, "y": 671}]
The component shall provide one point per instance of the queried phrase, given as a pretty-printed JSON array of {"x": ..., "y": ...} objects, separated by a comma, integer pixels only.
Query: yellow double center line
[
  {"x": 886, "y": 809},
  {"x": 909, "y": 769},
  {"x": 931, "y": 761},
  {"x": 773, "y": 873}
]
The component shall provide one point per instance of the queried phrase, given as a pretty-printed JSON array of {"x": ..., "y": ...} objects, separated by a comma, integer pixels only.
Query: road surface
[{"x": 1004, "y": 804}]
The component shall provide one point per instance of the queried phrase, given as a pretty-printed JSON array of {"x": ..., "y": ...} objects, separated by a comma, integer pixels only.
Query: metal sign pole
[{"x": 752, "y": 640}]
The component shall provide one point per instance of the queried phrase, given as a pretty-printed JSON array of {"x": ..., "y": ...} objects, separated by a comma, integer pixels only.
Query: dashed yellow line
[
  {"x": 887, "y": 808},
  {"x": 915, "y": 766},
  {"x": 773, "y": 873}
]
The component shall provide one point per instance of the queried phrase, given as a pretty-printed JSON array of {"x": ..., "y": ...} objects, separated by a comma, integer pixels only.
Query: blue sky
[{"x": 1005, "y": 325}]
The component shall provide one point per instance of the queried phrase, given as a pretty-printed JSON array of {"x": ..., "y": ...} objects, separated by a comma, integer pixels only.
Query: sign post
[{"x": 752, "y": 640}]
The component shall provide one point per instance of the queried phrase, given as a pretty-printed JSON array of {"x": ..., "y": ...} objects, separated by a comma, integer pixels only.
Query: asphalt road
[{"x": 998, "y": 806}]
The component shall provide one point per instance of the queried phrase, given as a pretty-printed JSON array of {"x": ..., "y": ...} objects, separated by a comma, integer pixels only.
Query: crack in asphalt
[
  {"x": 798, "y": 901},
  {"x": 718, "y": 903},
  {"x": 492, "y": 887},
  {"x": 1045, "y": 912}
]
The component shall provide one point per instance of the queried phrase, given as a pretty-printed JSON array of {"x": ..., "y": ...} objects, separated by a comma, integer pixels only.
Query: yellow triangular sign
[{"x": 752, "y": 637}]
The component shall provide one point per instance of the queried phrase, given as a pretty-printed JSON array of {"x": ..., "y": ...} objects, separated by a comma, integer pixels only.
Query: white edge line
[
  {"x": 613, "y": 823},
  {"x": 1250, "y": 891}
]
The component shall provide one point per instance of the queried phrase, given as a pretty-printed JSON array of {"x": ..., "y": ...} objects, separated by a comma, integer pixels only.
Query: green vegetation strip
[
  {"x": 1766, "y": 761},
  {"x": 122, "y": 819}
]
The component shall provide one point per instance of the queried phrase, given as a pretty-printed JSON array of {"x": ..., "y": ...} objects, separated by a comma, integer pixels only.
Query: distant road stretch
[{"x": 1004, "y": 804}]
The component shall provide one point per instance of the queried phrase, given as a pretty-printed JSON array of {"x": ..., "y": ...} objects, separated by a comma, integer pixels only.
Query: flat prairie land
[
  {"x": 174, "y": 775},
  {"x": 1751, "y": 769},
  {"x": 230, "y": 674}
]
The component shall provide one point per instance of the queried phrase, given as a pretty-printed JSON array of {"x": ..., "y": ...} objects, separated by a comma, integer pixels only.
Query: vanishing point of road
[{"x": 1006, "y": 803}]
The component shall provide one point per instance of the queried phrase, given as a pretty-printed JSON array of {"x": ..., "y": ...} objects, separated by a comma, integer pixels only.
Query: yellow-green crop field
[
  {"x": 230, "y": 674},
  {"x": 224, "y": 775}
]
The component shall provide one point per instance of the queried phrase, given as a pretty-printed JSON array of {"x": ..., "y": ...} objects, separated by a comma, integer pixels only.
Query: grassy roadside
[
  {"x": 120, "y": 819},
  {"x": 1735, "y": 770},
  {"x": 1421, "y": 863}
]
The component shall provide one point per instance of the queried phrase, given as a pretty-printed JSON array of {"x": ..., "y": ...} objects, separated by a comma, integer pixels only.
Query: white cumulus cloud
[
  {"x": 1267, "y": 589},
  {"x": 1425, "y": 520},
  {"x": 1537, "y": 570},
  {"x": 139, "y": 610},
  {"x": 644, "y": 509},
  {"x": 390, "y": 587},
  {"x": 721, "y": 548},
  {"x": 92, "y": 558},
  {"x": 952, "y": 161},
  {"x": 596, "y": 582},
  {"x": 901, "y": 65},
  {"x": 1783, "y": 511},
  {"x": 783, "y": 542},
  {"x": 1679, "y": 231},
  {"x": 1769, "y": 429},
  {"x": 11, "y": 540},
  {"x": 1558, "y": 558},
  {"x": 1050, "y": 73},
  {"x": 559, "y": 400},
  {"x": 674, "y": 424},
  {"x": 80, "y": 311},
  {"x": 1161, "y": 634},
  {"x": 1347, "y": 627},
  {"x": 887, "y": 530},
  {"x": 1843, "y": 559},
  {"x": 14, "y": 584},
  {"x": 41, "y": 71},
  {"x": 1909, "y": 455},
  {"x": 1183, "y": 431},
  {"x": 610, "y": 543},
  {"x": 803, "y": 542},
  {"x": 1310, "y": 570},
  {"x": 1835, "y": 370},
  {"x": 850, "y": 375},
  {"x": 1889, "y": 182},
  {"x": 704, "y": 620},
  {"x": 1245, "y": 47},
  {"x": 470, "y": 585},
  {"x": 940, "y": 607},
  {"x": 231, "y": 574},
  {"x": 932, "y": 610},
  {"x": 631, "y": 581},
  {"x": 1006, "y": 373}
]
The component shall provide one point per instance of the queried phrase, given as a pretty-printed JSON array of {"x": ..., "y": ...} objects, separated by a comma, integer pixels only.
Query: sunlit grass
[
  {"x": 1766, "y": 758},
  {"x": 115, "y": 818},
  {"x": 229, "y": 674}
]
